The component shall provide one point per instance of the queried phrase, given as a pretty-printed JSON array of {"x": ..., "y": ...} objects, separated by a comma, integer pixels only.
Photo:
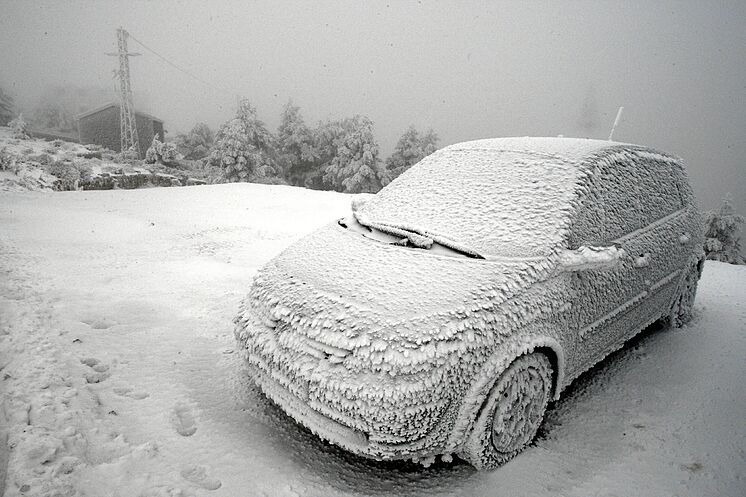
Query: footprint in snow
[
  {"x": 182, "y": 420},
  {"x": 99, "y": 373},
  {"x": 166, "y": 491},
  {"x": 99, "y": 323},
  {"x": 197, "y": 475},
  {"x": 130, "y": 393}
]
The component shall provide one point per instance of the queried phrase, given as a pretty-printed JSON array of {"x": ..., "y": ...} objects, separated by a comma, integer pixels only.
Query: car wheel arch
[{"x": 490, "y": 371}]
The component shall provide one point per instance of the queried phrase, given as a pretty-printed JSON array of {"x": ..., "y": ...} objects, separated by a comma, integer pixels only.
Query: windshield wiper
[
  {"x": 408, "y": 236},
  {"x": 403, "y": 237}
]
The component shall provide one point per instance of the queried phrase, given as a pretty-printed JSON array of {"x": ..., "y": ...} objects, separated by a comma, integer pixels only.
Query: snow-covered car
[{"x": 442, "y": 314}]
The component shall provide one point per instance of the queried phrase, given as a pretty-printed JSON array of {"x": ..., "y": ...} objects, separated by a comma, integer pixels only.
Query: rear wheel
[
  {"x": 512, "y": 413},
  {"x": 681, "y": 310}
]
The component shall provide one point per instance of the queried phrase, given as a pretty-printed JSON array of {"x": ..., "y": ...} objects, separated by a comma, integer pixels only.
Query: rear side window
[
  {"x": 628, "y": 191},
  {"x": 658, "y": 189}
]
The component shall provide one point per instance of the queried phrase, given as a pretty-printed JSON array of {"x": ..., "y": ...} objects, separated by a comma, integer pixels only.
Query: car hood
[{"x": 349, "y": 285}]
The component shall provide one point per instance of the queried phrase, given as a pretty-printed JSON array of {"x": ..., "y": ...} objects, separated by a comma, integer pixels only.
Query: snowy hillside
[
  {"x": 36, "y": 164},
  {"x": 120, "y": 376}
]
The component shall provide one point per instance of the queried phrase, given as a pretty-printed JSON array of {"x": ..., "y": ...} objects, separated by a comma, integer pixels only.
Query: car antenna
[{"x": 616, "y": 121}]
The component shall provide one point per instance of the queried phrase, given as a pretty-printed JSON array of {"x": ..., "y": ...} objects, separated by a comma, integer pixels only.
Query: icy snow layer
[{"x": 147, "y": 283}]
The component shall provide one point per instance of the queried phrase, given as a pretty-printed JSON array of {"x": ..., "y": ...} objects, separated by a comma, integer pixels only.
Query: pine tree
[
  {"x": 354, "y": 166},
  {"x": 411, "y": 148},
  {"x": 297, "y": 153},
  {"x": 722, "y": 242},
  {"x": 244, "y": 149},
  {"x": 20, "y": 128},
  {"x": 197, "y": 143},
  {"x": 6, "y": 108}
]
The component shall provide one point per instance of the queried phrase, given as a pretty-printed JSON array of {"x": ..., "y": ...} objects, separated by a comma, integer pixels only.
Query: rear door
[{"x": 663, "y": 241}]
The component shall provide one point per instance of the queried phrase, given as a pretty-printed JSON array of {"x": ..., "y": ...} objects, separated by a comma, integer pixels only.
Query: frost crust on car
[{"x": 390, "y": 351}]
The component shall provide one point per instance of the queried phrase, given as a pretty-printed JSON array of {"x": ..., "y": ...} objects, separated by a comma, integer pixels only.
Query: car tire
[
  {"x": 512, "y": 413},
  {"x": 681, "y": 309}
]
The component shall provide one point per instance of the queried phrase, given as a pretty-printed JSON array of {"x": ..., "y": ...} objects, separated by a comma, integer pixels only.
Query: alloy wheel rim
[{"x": 519, "y": 410}]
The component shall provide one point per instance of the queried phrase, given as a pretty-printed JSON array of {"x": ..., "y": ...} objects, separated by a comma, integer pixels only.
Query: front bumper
[
  {"x": 368, "y": 414},
  {"x": 353, "y": 440}
]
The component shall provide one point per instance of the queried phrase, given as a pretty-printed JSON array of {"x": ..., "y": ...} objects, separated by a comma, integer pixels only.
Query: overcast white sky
[{"x": 469, "y": 69}]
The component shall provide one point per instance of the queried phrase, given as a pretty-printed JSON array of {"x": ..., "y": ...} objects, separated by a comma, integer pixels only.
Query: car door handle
[{"x": 643, "y": 260}]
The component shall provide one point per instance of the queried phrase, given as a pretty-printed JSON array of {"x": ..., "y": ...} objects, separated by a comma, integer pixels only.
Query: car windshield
[{"x": 495, "y": 202}]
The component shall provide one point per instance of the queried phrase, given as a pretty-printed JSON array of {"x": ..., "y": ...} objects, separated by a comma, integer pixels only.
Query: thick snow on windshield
[{"x": 496, "y": 201}]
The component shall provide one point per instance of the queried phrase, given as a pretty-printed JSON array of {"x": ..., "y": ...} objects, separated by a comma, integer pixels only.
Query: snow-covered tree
[
  {"x": 722, "y": 242},
  {"x": 411, "y": 148},
  {"x": 163, "y": 153},
  {"x": 354, "y": 165},
  {"x": 197, "y": 143},
  {"x": 20, "y": 128},
  {"x": 6, "y": 108},
  {"x": 296, "y": 148},
  {"x": 244, "y": 149}
]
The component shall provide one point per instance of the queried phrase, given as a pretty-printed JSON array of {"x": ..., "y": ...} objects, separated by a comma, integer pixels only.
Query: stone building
[{"x": 101, "y": 126}]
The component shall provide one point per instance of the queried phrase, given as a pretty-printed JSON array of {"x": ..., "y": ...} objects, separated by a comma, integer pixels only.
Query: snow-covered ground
[{"x": 120, "y": 377}]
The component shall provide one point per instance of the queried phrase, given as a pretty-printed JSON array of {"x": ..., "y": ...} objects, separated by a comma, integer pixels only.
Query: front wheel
[{"x": 512, "y": 413}]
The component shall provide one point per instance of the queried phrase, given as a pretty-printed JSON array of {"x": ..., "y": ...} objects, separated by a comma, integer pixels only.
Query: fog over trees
[
  {"x": 7, "y": 110},
  {"x": 467, "y": 70}
]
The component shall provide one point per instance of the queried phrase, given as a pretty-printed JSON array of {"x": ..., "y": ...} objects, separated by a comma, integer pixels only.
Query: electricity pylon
[{"x": 127, "y": 122}]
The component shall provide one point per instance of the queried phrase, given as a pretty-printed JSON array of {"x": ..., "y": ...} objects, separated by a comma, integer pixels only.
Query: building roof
[{"x": 114, "y": 104}]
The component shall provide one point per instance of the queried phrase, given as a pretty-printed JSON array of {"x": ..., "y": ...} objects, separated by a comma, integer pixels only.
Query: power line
[{"x": 181, "y": 69}]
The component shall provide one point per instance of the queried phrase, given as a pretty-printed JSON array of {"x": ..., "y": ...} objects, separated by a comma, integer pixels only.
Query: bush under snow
[
  {"x": 163, "y": 153},
  {"x": 722, "y": 242}
]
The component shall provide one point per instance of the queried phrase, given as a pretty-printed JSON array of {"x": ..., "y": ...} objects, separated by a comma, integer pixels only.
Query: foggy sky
[{"x": 467, "y": 69}]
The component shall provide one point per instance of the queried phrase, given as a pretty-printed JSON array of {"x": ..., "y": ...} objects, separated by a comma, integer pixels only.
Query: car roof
[{"x": 569, "y": 149}]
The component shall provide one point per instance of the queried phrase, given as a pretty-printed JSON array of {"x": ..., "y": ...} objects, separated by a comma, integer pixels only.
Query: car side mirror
[
  {"x": 359, "y": 200},
  {"x": 589, "y": 257}
]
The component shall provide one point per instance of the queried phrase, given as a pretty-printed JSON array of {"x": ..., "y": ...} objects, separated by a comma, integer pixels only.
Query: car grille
[
  {"x": 310, "y": 370},
  {"x": 286, "y": 355}
]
